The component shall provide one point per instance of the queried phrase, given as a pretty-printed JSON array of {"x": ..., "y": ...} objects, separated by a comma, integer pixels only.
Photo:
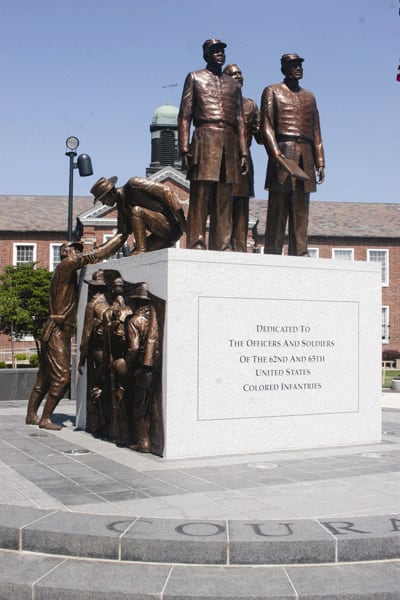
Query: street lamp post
[{"x": 84, "y": 165}]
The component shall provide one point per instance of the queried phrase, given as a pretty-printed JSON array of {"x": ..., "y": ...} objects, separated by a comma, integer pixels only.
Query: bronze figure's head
[
  {"x": 69, "y": 247},
  {"x": 292, "y": 66},
  {"x": 97, "y": 279},
  {"x": 103, "y": 190},
  {"x": 214, "y": 52},
  {"x": 234, "y": 71}
]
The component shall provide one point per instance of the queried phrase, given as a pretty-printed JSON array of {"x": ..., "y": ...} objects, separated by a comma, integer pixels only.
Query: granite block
[
  {"x": 18, "y": 572},
  {"x": 235, "y": 583},
  {"x": 365, "y": 538},
  {"x": 257, "y": 354},
  {"x": 174, "y": 540},
  {"x": 75, "y": 534},
  {"x": 373, "y": 581},
  {"x": 279, "y": 542},
  {"x": 12, "y": 518},
  {"x": 86, "y": 580}
]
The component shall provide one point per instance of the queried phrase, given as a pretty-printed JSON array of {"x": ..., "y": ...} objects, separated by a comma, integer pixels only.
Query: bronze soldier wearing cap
[
  {"x": 212, "y": 101},
  {"x": 143, "y": 206},
  {"x": 92, "y": 349},
  {"x": 54, "y": 374},
  {"x": 291, "y": 130}
]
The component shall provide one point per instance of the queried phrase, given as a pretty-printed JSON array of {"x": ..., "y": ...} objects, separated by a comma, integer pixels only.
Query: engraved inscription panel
[{"x": 264, "y": 357}]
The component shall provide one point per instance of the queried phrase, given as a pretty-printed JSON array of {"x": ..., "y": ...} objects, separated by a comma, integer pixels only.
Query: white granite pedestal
[{"x": 262, "y": 352}]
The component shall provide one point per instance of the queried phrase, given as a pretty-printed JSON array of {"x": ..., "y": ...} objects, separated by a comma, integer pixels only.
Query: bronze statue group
[
  {"x": 124, "y": 322},
  {"x": 218, "y": 158},
  {"x": 120, "y": 344}
]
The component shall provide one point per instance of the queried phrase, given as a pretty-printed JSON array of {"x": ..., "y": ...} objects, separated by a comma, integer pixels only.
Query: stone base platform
[{"x": 261, "y": 353}]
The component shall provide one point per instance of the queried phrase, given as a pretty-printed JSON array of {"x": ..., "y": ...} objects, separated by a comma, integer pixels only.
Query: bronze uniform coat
[
  {"x": 291, "y": 113},
  {"x": 251, "y": 118},
  {"x": 214, "y": 104}
]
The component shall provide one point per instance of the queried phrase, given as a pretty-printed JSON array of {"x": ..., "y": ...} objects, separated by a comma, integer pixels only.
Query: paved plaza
[{"x": 81, "y": 518}]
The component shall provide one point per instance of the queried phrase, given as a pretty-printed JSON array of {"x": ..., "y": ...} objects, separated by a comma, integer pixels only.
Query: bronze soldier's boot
[
  {"x": 33, "y": 405},
  {"x": 143, "y": 435},
  {"x": 49, "y": 407},
  {"x": 138, "y": 230}
]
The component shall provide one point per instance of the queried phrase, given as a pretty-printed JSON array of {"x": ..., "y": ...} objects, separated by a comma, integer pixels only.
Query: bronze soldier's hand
[
  {"x": 321, "y": 175},
  {"x": 187, "y": 161},
  {"x": 244, "y": 165},
  {"x": 143, "y": 377}
]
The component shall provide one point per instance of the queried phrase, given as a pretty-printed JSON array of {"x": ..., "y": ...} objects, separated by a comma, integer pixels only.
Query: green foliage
[
  {"x": 3, "y": 365},
  {"x": 20, "y": 356},
  {"x": 24, "y": 293},
  {"x": 388, "y": 375},
  {"x": 34, "y": 360}
]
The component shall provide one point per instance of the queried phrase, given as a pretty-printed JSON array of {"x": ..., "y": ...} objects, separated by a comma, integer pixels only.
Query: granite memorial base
[{"x": 261, "y": 352}]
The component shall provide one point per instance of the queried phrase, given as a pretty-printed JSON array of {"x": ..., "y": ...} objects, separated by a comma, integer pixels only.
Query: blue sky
[{"x": 96, "y": 69}]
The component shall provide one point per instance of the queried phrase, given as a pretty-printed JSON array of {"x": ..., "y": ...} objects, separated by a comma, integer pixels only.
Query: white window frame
[
  {"x": 350, "y": 250},
  {"x": 385, "y": 325},
  {"x": 51, "y": 257},
  {"x": 314, "y": 251},
  {"x": 118, "y": 253},
  {"x": 30, "y": 244},
  {"x": 385, "y": 280}
]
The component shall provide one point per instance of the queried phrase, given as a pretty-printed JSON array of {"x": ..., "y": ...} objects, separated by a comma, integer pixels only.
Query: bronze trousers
[
  {"x": 214, "y": 199},
  {"x": 240, "y": 224},
  {"x": 284, "y": 206}
]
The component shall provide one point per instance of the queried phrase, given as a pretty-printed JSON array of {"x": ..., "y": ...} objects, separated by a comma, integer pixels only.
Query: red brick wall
[{"x": 390, "y": 294}]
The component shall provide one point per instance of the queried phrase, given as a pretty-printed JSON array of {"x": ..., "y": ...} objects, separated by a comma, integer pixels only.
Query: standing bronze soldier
[
  {"x": 142, "y": 362},
  {"x": 218, "y": 152},
  {"x": 54, "y": 374},
  {"x": 92, "y": 350},
  {"x": 243, "y": 190},
  {"x": 290, "y": 129}
]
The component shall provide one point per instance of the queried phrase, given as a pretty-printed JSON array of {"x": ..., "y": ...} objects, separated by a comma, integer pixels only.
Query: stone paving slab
[{"x": 317, "y": 505}]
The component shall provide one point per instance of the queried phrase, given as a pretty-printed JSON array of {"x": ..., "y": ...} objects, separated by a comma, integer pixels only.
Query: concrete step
[
  {"x": 156, "y": 540},
  {"x": 43, "y": 577}
]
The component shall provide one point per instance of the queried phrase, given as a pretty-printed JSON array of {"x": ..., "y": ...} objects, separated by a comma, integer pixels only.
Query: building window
[
  {"x": 385, "y": 324},
  {"x": 313, "y": 252},
  {"x": 55, "y": 257},
  {"x": 24, "y": 254},
  {"x": 343, "y": 253},
  {"x": 380, "y": 256}
]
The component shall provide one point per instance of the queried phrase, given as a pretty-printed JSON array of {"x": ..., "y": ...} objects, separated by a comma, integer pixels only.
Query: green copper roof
[{"x": 167, "y": 114}]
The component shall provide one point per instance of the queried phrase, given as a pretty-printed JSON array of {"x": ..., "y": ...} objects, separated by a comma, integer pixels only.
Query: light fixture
[
  {"x": 84, "y": 165},
  {"x": 72, "y": 142}
]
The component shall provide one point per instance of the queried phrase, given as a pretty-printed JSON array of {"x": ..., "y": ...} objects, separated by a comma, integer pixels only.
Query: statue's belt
[
  {"x": 220, "y": 124},
  {"x": 299, "y": 139}
]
